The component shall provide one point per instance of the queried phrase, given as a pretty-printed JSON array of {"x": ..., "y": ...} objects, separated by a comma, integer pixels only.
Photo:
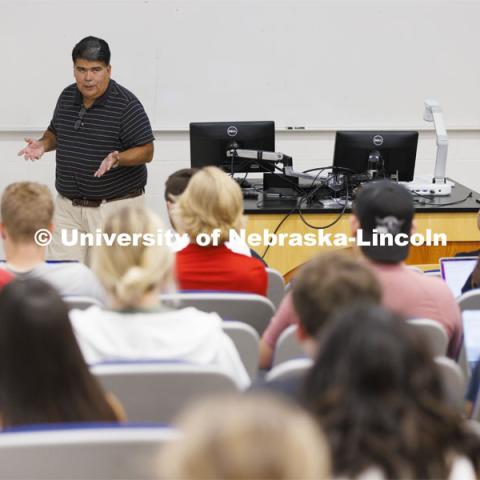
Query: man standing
[{"x": 103, "y": 139}]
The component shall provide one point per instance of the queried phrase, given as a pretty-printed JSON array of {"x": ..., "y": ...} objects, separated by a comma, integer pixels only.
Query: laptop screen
[
  {"x": 455, "y": 272},
  {"x": 471, "y": 335}
]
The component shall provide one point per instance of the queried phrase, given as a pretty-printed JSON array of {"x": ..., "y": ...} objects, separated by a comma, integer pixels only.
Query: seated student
[
  {"x": 213, "y": 202},
  {"x": 138, "y": 326},
  {"x": 27, "y": 207},
  {"x": 387, "y": 207},
  {"x": 379, "y": 397},
  {"x": 43, "y": 377},
  {"x": 255, "y": 437},
  {"x": 175, "y": 185},
  {"x": 325, "y": 284}
]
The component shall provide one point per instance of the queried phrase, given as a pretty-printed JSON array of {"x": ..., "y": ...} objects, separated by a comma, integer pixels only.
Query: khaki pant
[{"x": 77, "y": 220}]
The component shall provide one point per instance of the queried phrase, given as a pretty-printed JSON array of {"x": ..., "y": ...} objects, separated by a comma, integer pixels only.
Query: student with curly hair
[{"x": 379, "y": 398}]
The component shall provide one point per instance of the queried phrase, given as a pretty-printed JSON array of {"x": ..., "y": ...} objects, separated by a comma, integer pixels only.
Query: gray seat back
[
  {"x": 254, "y": 310},
  {"x": 158, "y": 391},
  {"x": 77, "y": 454},
  {"x": 288, "y": 346},
  {"x": 246, "y": 341},
  {"x": 276, "y": 287},
  {"x": 453, "y": 380},
  {"x": 434, "y": 333}
]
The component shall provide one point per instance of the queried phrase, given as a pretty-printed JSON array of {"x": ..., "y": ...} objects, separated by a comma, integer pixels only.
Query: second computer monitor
[
  {"x": 209, "y": 143},
  {"x": 388, "y": 154}
]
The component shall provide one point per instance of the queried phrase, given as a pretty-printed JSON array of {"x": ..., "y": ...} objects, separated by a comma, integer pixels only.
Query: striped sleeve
[
  {"x": 52, "y": 127},
  {"x": 135, "y": 127}
]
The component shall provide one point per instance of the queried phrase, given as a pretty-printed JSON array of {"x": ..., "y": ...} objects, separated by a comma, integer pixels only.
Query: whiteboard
[{"x": 320, "y": 64}]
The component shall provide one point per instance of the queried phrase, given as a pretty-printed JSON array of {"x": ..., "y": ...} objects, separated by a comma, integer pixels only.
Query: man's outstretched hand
[
  {"x": 110, "y": 161},
  {"x": 33, "y": 151}
]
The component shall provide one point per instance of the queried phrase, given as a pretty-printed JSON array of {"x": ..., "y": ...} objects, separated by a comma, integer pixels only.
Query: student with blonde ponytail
[{"x": 137, "y": 326}]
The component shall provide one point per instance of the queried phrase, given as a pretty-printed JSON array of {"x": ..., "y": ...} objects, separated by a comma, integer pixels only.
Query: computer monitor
[
  {"x": 209, "y": 143},
  {"x": 379, "y": 154}
]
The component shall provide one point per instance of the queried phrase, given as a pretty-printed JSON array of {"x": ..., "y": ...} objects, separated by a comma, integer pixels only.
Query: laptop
[
  {"x": 455, "y": 271},
  {"x": 471, "y": 336}
]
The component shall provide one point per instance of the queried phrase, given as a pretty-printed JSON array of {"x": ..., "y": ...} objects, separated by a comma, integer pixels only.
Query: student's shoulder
[
  {"x": 436, "y": 288},
  {"x": 245, "y": 259}
]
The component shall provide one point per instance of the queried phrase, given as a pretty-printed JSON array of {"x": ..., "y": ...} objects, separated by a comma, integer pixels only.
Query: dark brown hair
[
  {"x": 43, "y": 376},
  {"x": 379, "y": 398},
  {"x": 177, "y": 182}
]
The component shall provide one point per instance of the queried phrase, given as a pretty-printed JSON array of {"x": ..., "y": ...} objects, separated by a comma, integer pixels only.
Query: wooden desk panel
[{"x": 460, "y": 228}]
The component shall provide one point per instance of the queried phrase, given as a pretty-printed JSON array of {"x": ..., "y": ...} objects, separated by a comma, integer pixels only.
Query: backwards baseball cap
[{"x": 386, "y": 207}]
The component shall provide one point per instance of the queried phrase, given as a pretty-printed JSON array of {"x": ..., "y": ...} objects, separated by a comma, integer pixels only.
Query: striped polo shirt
[{"x": 115, "y": 121}]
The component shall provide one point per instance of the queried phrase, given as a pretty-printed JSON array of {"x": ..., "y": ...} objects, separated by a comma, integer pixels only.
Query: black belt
[{"x": 85, "y": 202}]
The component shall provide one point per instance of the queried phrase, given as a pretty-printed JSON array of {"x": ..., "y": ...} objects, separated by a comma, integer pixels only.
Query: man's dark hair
[
  {"x": 177, "y": 182},
  {"x": 92, "y": 49},
  {"x": 328, "y": 283}
]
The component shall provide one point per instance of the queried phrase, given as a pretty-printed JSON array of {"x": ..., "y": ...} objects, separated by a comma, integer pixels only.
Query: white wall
[
  {"x": 320, "y": 63},
  {"x": 431, "y": 45}
]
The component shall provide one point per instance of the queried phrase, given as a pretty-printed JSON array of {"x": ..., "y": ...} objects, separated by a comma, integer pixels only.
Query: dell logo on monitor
[
  {"x": 378, "y": 140},
  {"x": 232, "y": 131}
]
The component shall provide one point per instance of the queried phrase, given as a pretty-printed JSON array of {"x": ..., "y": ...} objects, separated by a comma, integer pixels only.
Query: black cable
[
  {"x": 243, "y": 179},
  {"x": 298, "y": 207},
  {"x": 336, "y": 220},
  {"x": 315, "y": 190},
  {"x": 277, "y": 228},
  {"x": 443, "y": 204},
  {"x": 428, "y": 197},
  {"x": 348, "y": 170}
]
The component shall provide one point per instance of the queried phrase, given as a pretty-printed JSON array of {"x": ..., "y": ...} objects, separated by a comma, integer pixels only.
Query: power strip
[{"x": 436, "y": 189}]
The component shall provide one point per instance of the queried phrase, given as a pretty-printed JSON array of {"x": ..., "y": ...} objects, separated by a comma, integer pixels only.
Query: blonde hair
[
  {"x": 212, "y": 200},
  {"x": 26, "y": 207},
  {"x": 250, "y": 437},
  {"x": 129, "y": 272}
]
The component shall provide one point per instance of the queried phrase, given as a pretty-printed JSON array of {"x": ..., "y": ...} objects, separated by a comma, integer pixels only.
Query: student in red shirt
[{"x": 211, "y": 208}]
